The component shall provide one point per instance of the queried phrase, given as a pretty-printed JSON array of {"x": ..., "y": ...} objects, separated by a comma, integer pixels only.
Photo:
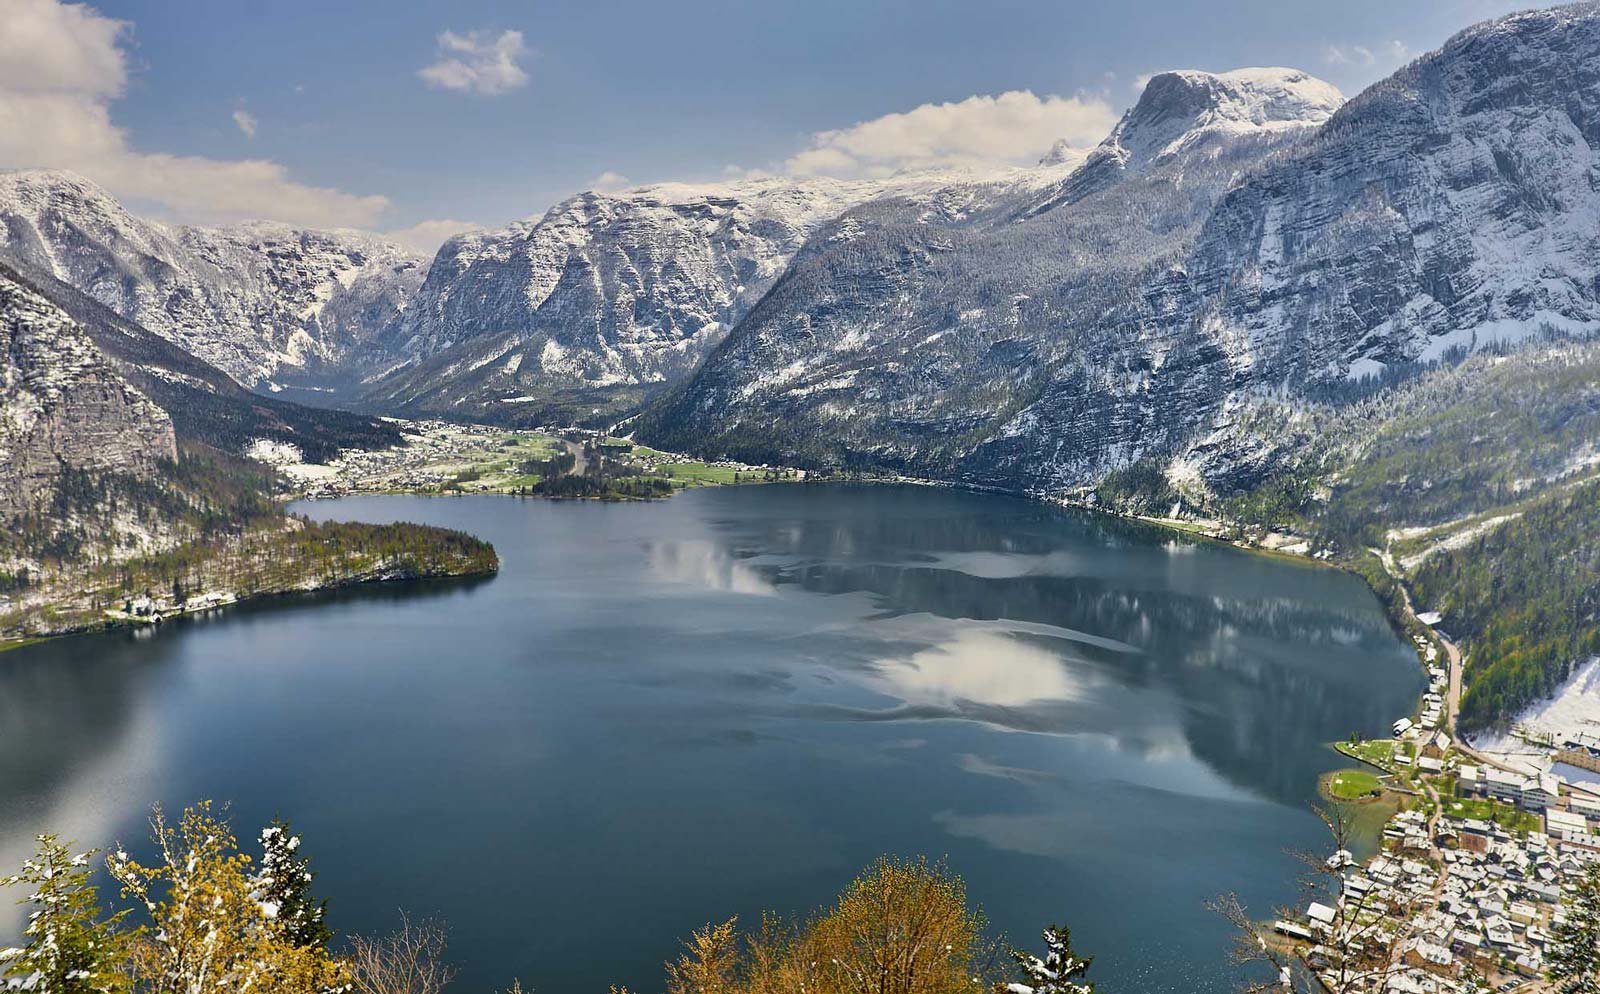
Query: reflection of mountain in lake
[{"x": 1259, "y": 664}]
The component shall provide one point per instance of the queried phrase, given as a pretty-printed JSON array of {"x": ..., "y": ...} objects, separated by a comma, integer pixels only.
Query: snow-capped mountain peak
[
  {"x": 1188, "y": 113},
  {"x": 1184, "y": 109}
]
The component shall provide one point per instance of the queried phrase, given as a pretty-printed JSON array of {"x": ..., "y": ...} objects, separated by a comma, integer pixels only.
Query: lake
[{"x": 660, "y": 714}]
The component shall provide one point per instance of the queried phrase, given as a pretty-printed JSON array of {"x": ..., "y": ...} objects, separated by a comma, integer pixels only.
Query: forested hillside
[{"x": 1526, "y": 598}]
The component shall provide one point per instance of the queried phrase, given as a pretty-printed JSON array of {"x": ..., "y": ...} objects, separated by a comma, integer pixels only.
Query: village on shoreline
[
  {"x": 448, "y": 458},
  {"x": 1468, "y": 871}
]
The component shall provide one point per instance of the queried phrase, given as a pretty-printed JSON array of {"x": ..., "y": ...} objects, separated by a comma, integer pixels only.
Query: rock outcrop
[{"x": 64, "y": 408}]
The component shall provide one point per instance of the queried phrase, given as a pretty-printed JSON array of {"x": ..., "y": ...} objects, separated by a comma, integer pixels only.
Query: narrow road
[
  {"x": 1452, "y": 698},
  {"x": 581, "y": 462}
]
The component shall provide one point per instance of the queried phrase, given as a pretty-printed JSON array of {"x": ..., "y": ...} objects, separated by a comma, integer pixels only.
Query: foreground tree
[
  {"x": 1360, "y": 948},
  {"x": 408, "y": 961},
  {"x": 284, "y": 887},
  {"x": 1060, "y": 972},
  {"x": 902, "y": 927},
  {"x": 208, "y": 931},
  {"x": 709, "y": 964},
  {"x": 72, "y": 947},
  {"x": 1575, "y": 949}
]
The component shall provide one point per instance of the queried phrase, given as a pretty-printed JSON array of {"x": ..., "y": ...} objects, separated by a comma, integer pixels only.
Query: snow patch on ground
[
  {"x": 1573, "y": 711},
  {"x": 273, "y": 453},
  {"x": 1461, "y": 538}
]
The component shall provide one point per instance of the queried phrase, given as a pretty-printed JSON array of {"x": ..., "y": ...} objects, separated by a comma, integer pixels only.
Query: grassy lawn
[
  {"x": 1350, "y": 785},
  {"x": 702, "y": 473},
  {"x": 1377, "y": 752},
  {"x": 1485, "y": 809}
]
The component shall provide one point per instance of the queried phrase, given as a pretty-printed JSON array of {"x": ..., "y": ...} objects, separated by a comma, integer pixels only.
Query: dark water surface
[{"x": 661, "y": 714}]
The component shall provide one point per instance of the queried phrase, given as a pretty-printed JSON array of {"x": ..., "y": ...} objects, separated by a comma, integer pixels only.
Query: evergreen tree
[
  {"x": 70, "y": 948},
  {"x": 284, "y": 885},
  {"x": 1575, "y": 949},
  {"x": 1060, "y": 972}
]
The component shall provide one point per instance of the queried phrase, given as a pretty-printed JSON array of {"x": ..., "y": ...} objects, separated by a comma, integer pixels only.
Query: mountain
[
  {"x": 609, "y": 296},
  {"x": 204, "y": 403},
  {"x": 265, "y": 303},
  {"x": 1447, "y": 208},
  {"x": 112, "y": 488},
  {"x": 64, "y": 408},
  {"x": 913, "y": 339},
  {"x": 1202, "y": 256}
]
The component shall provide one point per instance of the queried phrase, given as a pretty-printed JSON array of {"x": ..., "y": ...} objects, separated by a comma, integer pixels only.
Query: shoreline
[
  {"x": 131, "y": 623},
  {"x": 254, "y": 567}
]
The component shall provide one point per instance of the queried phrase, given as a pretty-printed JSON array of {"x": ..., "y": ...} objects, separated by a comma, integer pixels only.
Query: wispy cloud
[
  {"x": 1012, "y": 128},
  {"x": 62, "y": 66},
  {"x": 478, "y": 62},
  {"x": 1390, "y": 54},
  {"x": 245, "y": 121},
  {"x": 425, "y": 237}
]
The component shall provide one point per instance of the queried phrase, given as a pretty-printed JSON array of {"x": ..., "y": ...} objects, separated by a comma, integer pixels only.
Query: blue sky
[{"x": 345, "y": 128}]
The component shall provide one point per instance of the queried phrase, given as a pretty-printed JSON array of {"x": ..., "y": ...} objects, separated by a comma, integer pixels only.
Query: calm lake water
[{"x": 660, "y": 714}]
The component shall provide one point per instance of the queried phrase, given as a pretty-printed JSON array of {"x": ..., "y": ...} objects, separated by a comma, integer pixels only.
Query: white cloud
[
  {"x": 425, "y": 237},
  {"x": 477, "y": 62},
  {"x": 610, "y": 182},
  {"x": 49, "y": 47},
  {"x": 246, "y": 122},
  {"x": 1013, "y": 128},
  {"x": 61, "y": 66}
]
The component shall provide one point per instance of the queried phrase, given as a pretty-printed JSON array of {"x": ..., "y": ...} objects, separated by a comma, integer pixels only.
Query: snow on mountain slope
[
  {"x": 203, "y": 402},
  {"x": 609, "y": 295},
  {"x": 259, "y": 300},
  {"x": 904, "y": 338},
  {"x": 1449, "y": 206}
]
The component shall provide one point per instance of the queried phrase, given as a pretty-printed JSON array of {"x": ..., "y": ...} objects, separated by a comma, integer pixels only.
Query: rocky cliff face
[
  {"x": 1194, "y": 262},
  {"x": 609, "y": 296},
  {"x": 1448, "y": 207},
  {"x": 63, "y": 406},
  {"x": 1453, "y": 204},
  {"x": 263, "y": 302}
]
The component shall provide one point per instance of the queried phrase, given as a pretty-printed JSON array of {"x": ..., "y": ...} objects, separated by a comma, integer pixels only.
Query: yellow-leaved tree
[
  {"x": 902, "y": 927},
  {"x": 209, "y": 931}
]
